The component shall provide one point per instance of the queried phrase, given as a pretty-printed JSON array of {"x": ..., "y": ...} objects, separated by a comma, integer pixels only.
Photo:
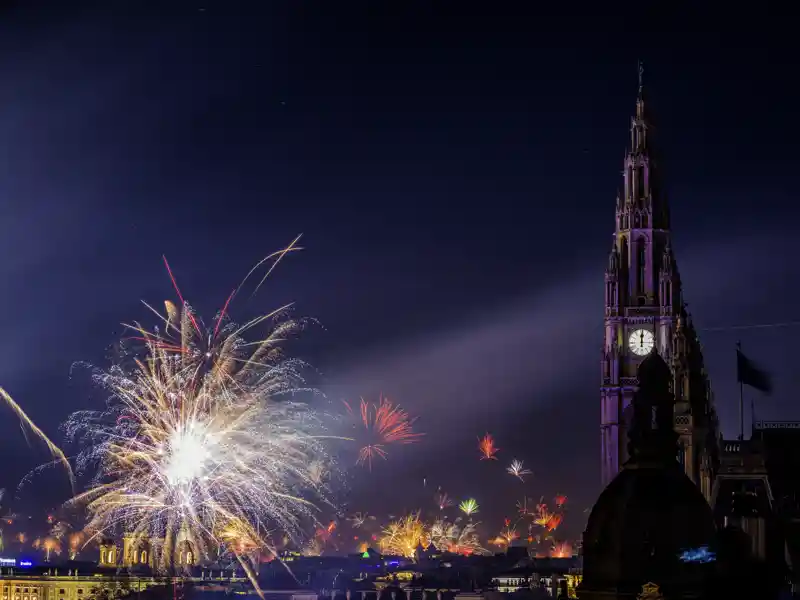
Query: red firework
[
  {"x": 386, "y": 424},
  {"x": 487, "y": 448},
  {"x": 553, "y": 522},
  {"x": 560, "y": 500}
]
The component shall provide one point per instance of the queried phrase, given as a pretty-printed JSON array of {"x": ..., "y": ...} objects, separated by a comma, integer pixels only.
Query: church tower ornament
[
  {"x": 645, "y": 312},
  {"x": 650, "y": 591}
]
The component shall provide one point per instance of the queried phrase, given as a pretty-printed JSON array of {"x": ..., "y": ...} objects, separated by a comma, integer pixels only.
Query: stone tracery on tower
[{"x": 645, "y": 311}]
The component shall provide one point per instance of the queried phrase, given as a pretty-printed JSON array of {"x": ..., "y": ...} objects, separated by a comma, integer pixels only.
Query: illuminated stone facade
[
  {"x": 64, "y": 584},
  {"x": 145, "y": 551},
  {"x": 645, "y": 312}
]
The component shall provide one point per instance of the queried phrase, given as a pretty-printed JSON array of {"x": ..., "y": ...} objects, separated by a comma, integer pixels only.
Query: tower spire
[
  {"x": 641, "y": 73},
  {"x": 640, "y": 95}
]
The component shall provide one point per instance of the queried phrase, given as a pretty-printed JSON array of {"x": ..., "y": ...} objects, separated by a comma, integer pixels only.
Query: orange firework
[
  {"x": 561, "y": 550},
  {"x": 506, "y": 537},
  {"x": 560, "y": 500},
  {"x": 542, "y": 516},
  {"x": 387, "y": 423},
  {"x": 487, "y": 448},
  {"x": 553, "y": 522}
]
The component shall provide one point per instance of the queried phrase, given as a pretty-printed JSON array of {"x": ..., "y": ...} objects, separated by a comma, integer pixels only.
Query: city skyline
[{"x": 456, "y": 226}]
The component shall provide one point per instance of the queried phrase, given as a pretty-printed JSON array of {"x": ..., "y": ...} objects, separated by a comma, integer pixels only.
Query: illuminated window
[
  {"x": 102, "y": 556},
  {"x": 189, "y": 558},
  {"x": 144, "y": 557}
]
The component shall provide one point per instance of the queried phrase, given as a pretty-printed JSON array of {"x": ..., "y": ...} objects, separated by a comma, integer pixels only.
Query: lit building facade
[
  {"x": 64, "y": 584},
  {"x": 139, "y": 550},
  {"x": 645, "y": 312}
]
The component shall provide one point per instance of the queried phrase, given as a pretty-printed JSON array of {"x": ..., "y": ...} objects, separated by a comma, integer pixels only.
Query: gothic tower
[{"x": 644, "y": 309}]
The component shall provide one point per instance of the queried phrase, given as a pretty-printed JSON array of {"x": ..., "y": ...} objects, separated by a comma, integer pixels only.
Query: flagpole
[{"x": 741, "y": 393}]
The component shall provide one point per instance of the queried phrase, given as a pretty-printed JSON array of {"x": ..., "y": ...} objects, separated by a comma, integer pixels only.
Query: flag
[{"x": 748, "y": 373}]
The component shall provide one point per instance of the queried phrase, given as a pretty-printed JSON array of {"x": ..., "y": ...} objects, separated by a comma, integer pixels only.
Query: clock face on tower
[{"x": 641, "y": 342}]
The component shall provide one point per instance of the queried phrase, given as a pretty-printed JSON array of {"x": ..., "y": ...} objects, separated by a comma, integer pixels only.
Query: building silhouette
[
  {"x": 651, "y": 533},
  {"x": 645, "y": 311}
]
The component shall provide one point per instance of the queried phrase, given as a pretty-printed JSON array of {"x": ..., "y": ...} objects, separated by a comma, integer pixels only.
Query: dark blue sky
[{"x": 453, "y": 172}]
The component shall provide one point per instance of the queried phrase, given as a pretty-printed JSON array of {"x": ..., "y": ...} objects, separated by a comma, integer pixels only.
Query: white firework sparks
[
  {"x": 198, "y": 439},
  {"x": 518, "y": 470}
]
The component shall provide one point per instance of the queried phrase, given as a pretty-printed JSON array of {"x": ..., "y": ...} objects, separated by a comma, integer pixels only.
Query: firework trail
[
  {"x": 560, "y": 501},
  {"x": 443, "y": 500},
  {"x": 197, "y": 440},
  {"x": 26, "y": 422},
  {"x": 469, "y": 507},
  {"x": 487, "y": 448},
  {"x": 523, "y": 508},
  {"x": 518, "y": 470},
  {"x": 385, "y": 423}
]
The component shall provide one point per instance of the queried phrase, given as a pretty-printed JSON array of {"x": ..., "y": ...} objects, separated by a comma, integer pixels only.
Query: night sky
[{"x": 453, "y": 172}]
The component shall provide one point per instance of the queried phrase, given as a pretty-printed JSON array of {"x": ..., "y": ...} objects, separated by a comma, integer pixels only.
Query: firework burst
[
  {"x": 451, "y": 537},
  {"x": 542, "y": 516},
  {"x": 403, "y": 536},
  {"x": 518, "y": 470},
  {"x": 357, "y": 520},
  {"x": 487, "y": 448},
  {"x": 506, "y": 537},
  {"x": 198, "y": 439},
  {"x": 469, "y": 507},
  {"x": 443, "y": 500},
  {"x": 385, "y": 423}
]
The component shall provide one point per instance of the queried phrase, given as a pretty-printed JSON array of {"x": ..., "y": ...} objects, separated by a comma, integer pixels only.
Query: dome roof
[
  {"x": 639, "y": 527},
  {"x": 651, "y": 513}
]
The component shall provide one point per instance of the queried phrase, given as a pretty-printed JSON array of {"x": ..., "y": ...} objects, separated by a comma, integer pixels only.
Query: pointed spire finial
[{"x": 641, "y": 73}]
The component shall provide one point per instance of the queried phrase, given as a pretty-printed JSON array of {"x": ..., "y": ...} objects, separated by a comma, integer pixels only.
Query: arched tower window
[
  {"x": 102, "y": 556},
  {"x": 641, "y": 264},
  {"x": 189, "y": 558},
  {"x": 144, "y": 557}
]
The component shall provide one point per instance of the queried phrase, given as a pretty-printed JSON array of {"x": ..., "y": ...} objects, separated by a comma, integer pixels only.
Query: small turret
[{"x": 108, "y": 553}]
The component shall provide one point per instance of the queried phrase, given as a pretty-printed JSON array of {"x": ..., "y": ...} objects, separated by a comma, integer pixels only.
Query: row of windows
[
  {"x": 35, "y": 595},
  {"x": 106, "y": 558},
  {"x": 35, "y": 591}
]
